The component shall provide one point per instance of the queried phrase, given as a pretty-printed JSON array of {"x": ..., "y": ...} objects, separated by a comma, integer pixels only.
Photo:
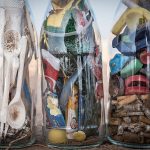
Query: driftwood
[
  {"x": 144, "y": 120},
  {"x": 130, "y": 120},
  {"x": 127, "y": 114},
  {"x": 115, "y": 121},
  {"x": 128, "y": 100}
]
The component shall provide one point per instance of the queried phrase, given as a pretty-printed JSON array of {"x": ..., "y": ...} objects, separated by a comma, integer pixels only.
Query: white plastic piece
[
  {"x": 16, "y": 110},
  {"x": 15, "y": 66},
  {"x": 14, "y": 19},
  {"x": 4, "y": 107}
]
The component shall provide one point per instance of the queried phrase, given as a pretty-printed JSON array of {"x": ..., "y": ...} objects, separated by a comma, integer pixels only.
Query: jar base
[
  {"x": 127, "y": 145},
  {"x": 70, "y": 147},
  {"x": 19, "y": 146}
]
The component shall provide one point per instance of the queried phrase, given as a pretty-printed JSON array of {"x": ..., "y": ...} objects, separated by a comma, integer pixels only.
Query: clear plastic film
[
  {"x": 129, "y": 82},
  {"x": 16, "y": 48},
  {"x": 72, "y": 65}
]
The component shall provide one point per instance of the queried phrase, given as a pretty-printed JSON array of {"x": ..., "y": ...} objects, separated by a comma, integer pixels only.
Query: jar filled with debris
[
  {"x": 15, "y": 96},
  {"x": 129, "y": 84},
  {"x": 73, "y": 84}
]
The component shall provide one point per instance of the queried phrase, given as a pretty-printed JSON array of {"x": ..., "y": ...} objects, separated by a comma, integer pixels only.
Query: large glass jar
[
  {"x": 129, "y": 84},
  {"x": 73, "y": 84},
  {"x": 16, "y": 107}
]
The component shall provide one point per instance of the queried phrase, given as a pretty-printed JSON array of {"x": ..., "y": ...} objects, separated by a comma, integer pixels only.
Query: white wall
[{"x": 104, "y": 11}]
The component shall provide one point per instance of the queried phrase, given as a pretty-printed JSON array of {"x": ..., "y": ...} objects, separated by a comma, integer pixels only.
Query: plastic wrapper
[
  {"x": 72, "y": 64},
  {"x": 16, "y": 49},
  {"x": 129, "y": 84}
]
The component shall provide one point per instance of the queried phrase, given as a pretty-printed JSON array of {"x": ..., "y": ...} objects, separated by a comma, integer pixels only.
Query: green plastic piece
[{"x": 131, "y": 69}]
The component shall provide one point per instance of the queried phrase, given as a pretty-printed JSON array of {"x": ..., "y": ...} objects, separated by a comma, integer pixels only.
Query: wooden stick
[
  {"x": 115, "y": 121},
  {"x": 120, "y": 98},
  {"x": 127, "y": 114},
  {"x": 144, "y": 120},
  {"x": 128, "y": 100},
  {"x": 145, "y": 97}
]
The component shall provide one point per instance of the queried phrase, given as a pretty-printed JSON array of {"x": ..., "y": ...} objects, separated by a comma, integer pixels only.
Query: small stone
[
  {"x": 135, "y": 119},
  {"x": 127, "y": 120},
  {"x": 120, "y": 130},
  {"x": 113, "y": 130}
]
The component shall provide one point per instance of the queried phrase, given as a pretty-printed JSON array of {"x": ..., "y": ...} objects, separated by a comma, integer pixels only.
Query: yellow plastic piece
[
  {"x": 57, "y": 136},
  {"x": 122, "y": 21},
  {"x": 79, "y": 136},
  {"x": 77, "y": 3},
  {"x": 55, "y": 19}
]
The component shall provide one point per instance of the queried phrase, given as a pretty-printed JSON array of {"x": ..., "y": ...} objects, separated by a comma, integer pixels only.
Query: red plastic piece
[
  {"x": 141, "y": 87},
  {"x": 145, "y": 57}
]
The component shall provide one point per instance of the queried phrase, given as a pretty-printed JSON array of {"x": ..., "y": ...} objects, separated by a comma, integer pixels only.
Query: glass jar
[
  {"x": 16, "y": 48},
  {"x": 129, "y": 84},
  {"x": 73, "y": 84}
]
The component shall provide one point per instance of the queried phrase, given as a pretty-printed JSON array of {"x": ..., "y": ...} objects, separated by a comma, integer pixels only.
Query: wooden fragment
[
  {"x": 126, "y": 114},
  {"x": 145, "y": 97},
  {"x": 115, "y": 121},
  {"x": 120, "y": 98},
  {"x": 131, "y": 137},
  {"x": 128, "y": 100},
  {"x": 144, "y": 120}
]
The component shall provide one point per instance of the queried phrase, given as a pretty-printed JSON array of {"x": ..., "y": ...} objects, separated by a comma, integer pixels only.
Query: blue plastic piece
[
  {"x": 117, "y": 63},
  {"x": 130, "y": 43}
]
